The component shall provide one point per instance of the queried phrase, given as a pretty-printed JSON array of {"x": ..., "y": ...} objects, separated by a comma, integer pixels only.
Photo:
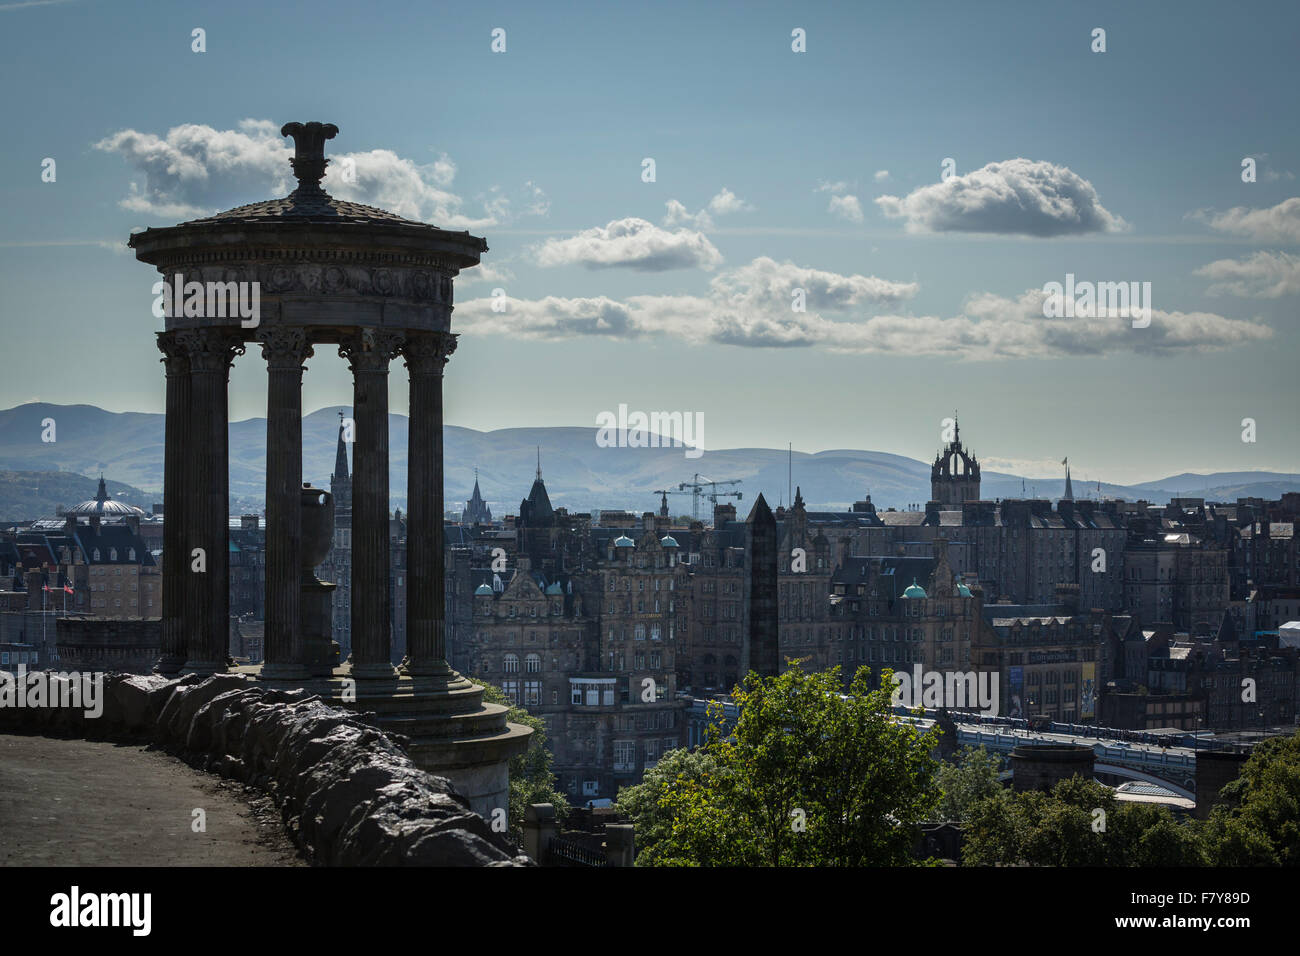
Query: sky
[{"x": 775, "y": 170}]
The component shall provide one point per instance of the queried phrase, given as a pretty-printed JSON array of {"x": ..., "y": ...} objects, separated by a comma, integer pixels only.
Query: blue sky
[{"x": 774, "y": 170}]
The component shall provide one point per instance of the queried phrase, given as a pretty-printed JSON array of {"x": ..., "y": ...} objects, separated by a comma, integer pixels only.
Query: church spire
[
  {"x": 539, "y": 462},
  {"x": 340, "y": 455},
  {"x": 1069, "y": 489}
]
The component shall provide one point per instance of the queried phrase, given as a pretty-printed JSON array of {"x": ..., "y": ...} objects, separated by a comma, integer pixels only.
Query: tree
[
  {"x": 807, "y": 777},
  {"x": 640, "y": 802},
  {"x": 1263, "y": 827},
  {"x": 971, "y": 777},
  {"x": 1080, "y": 823},
  {"x": 531, "y": 777}
]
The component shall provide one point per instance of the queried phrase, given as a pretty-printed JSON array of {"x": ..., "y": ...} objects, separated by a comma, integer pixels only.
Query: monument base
[{"x": 449, "y": 730}]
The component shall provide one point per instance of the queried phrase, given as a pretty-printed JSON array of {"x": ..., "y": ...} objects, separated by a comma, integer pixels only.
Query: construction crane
[{"x": 698, "y": 487}]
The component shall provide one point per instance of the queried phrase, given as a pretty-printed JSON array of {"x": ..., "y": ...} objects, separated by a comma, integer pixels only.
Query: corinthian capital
[
  {"x": 370, "y": 350},
  {"x": 427, "y": 352},
  {"x": 176, "y": 358},
  {"x": 210, "y": 350},
  {"x": 284, "y": 348}
]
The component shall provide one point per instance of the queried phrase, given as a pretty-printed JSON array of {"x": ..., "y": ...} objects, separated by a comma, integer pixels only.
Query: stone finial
[{"x": 309, "y": 160}]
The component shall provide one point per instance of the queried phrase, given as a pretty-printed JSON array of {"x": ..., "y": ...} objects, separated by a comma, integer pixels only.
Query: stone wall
[{"x": 348, "y": 793}]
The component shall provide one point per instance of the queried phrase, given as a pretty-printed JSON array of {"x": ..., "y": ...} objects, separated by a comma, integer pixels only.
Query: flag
[{"x": 68, "y": 589}]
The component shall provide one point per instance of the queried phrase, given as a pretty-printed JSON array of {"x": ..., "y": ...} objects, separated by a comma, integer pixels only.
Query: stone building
[
  {"x": 593, "y": 652},
  {"x": 1053, "y": 659}
]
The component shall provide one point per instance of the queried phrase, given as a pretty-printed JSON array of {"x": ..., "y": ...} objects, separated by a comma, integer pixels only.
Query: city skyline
[{"x": 660, "y": 292}]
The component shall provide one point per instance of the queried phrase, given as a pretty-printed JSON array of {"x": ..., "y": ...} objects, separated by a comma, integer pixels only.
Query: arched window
[
  {"x": 533, "y": 664},
  {"x": 512, "y": 664}
]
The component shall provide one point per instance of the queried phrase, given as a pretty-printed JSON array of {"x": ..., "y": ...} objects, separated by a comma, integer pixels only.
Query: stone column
[
  {"x": 176, "y": 456},
  {"x": 207, "y": 609},
  {"x": 368, "y": 354},
  {"x": 426, "y": 354},
  {"x": 285, "y": 349}
]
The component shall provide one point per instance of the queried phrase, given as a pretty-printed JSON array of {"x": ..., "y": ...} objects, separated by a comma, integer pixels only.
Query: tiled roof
[{"x": 318, "y": 207}]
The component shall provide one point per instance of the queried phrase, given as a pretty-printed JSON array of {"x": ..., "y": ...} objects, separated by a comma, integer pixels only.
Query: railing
[{"x": 562, "y": 852}]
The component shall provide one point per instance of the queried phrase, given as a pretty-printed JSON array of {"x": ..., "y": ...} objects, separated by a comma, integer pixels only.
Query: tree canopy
[{"x": 808, "y": 776}]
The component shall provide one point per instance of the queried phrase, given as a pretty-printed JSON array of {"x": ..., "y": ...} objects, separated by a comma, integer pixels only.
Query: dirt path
[{"x": 86, "y": 803}]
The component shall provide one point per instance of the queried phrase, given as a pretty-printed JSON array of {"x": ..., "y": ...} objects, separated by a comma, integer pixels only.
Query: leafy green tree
[
  {"x": 531, "y": 778},
  {"x": 1260, "y": 825},
  {"x": 971, "y": 777},
  {"x": 640, "y": 802},
  {"x": 807, "y": 777},
  {"x": 1063, "y": 828}
]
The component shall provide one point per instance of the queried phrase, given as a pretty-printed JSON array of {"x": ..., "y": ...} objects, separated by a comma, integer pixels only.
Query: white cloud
[
  {"x": 633, "y": 244},
  {"x": 723, "y": 204},
  {"x": 751, "y": 306},
  {"x": 1263, "y": 275},
  {"x": 1014, "y": 197},
  {"x": 1280, "y": 223},
  {"x": 727, "y": 202},
  {"x": 882, "y": 175},
  {"x": 537, "y": 202},
  {"x": 485, "y": 272},
  {"x": 846, "y": 207},
  {"x": 197, "y": 170},
  {"x": 188, "y": 171}
]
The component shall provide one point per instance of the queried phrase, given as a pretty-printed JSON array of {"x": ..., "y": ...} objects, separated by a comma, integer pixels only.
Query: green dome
[
  {"x": 668, "y": 541},
  {"x": 914, "y": 590},
  {"x": 554, "y": 588},
  {"x": 623, "y": 541},
  {"x": 483, "y": 590},
  {"x": 963, "y": 591}
]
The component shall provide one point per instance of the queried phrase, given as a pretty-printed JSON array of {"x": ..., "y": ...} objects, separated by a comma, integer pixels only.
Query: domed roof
[
  {"x": 623, "y": 541},
  {"x": 309, "y": 207},
  {"x": 963, "y": 591},
  {"x": 554, "y": 588},
  {"x": 668, "y": 541},
  {"x": 103, "y": 506},
  {"x": 483, "y": 590},
  {"x": 914, "y": 590}
]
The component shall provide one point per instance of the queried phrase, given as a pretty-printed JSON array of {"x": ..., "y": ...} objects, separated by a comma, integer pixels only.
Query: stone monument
[{"x": 322, "y": 272}]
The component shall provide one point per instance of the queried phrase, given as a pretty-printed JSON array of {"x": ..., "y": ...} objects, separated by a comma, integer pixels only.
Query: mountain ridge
[{"x": 579, "y": 475}]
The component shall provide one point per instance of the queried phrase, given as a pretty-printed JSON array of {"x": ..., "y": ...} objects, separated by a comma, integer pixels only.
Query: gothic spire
[{"x": 340, "y": 455}]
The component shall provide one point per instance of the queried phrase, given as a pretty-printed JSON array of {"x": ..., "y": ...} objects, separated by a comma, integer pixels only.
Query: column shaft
[
  {"x": 284, "y": 349},
  {"x": 176, "y": 456},
  {"x": 426, "y": 355},
  {"x": 368, "y": 355},
  {"x": 207, "y": 611}
]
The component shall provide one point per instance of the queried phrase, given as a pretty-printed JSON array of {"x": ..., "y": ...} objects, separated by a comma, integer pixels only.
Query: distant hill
[
  {"x": 579, "y": 475},
  {"x": 43, "y": 494}
]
